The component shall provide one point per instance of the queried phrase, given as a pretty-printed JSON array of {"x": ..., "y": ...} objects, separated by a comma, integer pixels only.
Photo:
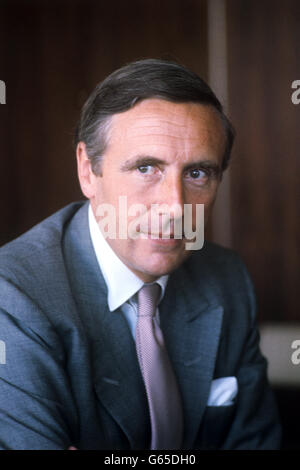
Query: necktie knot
[{"x": 148, "y": 297}]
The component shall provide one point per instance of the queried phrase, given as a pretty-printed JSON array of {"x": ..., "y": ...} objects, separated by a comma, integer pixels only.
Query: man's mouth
[
  {"x": 162, "y": 239},
  {"x": 159, "y": 235}
]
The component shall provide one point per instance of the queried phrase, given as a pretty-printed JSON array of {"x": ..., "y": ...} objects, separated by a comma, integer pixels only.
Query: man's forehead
[{"x": 156, "y": 117}]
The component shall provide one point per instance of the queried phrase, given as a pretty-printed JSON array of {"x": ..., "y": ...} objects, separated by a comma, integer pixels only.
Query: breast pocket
[{"x": 215, "y": 426}]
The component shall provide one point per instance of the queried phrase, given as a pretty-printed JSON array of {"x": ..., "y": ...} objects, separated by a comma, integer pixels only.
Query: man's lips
[
  {"x": 162, "y": 239},
  {"x": 160, "y": 235}
]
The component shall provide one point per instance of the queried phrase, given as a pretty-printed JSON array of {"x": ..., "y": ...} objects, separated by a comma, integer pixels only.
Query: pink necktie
[{"x": 161, "y": 387}]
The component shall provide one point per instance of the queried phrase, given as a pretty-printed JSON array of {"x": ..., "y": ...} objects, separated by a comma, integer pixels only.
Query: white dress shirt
[{"x": 122, "y": 283}]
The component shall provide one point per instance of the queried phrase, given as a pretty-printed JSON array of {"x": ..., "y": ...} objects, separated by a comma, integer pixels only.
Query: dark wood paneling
[
  {"x": 52, "y": 55},
  {"x": 264, "y": 59}
]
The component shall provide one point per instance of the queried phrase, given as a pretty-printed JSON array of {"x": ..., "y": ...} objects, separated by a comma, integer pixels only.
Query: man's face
[{"x": 159, "y": 152}]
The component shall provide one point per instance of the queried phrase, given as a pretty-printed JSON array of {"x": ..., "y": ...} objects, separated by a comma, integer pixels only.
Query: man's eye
[
  {"x": 197, "y": 174},
  {"x": 146, "y": 169}
]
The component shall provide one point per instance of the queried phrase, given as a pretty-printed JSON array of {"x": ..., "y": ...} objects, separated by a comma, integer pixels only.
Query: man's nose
[{"x": 171, "y": 194}]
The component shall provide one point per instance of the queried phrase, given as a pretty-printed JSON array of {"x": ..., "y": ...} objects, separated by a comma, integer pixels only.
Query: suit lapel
[
  {"x": 117, "y": 379},
  {"x": 191, "y": 323}
]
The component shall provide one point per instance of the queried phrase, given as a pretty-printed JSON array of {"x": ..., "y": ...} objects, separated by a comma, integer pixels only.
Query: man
[{"x": 92, "y": 359}]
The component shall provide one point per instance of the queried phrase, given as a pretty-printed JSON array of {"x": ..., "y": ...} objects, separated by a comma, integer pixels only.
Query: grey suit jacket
[{"x": 71, "y": 375}]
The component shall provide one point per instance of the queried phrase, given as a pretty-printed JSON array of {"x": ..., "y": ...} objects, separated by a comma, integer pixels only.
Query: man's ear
[{"x": 86, "y": 176}]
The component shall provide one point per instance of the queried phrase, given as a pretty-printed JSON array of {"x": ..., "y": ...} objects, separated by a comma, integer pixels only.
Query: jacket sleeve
[{"x": 36, "y": 405}]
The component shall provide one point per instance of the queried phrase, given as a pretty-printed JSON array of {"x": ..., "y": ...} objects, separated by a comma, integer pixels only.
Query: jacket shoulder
[{"x": 31, "y": 249}]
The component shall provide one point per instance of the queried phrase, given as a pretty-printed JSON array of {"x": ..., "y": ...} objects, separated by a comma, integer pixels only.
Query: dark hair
[{"x": 137, "y": 81}]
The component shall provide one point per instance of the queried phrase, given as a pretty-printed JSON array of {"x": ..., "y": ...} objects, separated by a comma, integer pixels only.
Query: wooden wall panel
[{"x": 264, "y": 59}]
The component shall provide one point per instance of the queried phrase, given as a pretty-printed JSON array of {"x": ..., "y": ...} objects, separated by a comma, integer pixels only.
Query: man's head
[
  {"x": 154, "y": 132},
  {"x": 124, "y": 88}
]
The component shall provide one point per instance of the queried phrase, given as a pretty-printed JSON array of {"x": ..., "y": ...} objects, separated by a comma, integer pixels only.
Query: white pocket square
[{"x": 222, "y": 391}]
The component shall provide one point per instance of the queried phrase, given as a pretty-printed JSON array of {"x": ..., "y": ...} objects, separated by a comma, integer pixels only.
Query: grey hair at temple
[{"x": 137, "y": 81}]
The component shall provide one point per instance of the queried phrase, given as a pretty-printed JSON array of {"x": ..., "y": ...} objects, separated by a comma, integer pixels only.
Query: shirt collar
[{"x": 122, "y": 283}]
